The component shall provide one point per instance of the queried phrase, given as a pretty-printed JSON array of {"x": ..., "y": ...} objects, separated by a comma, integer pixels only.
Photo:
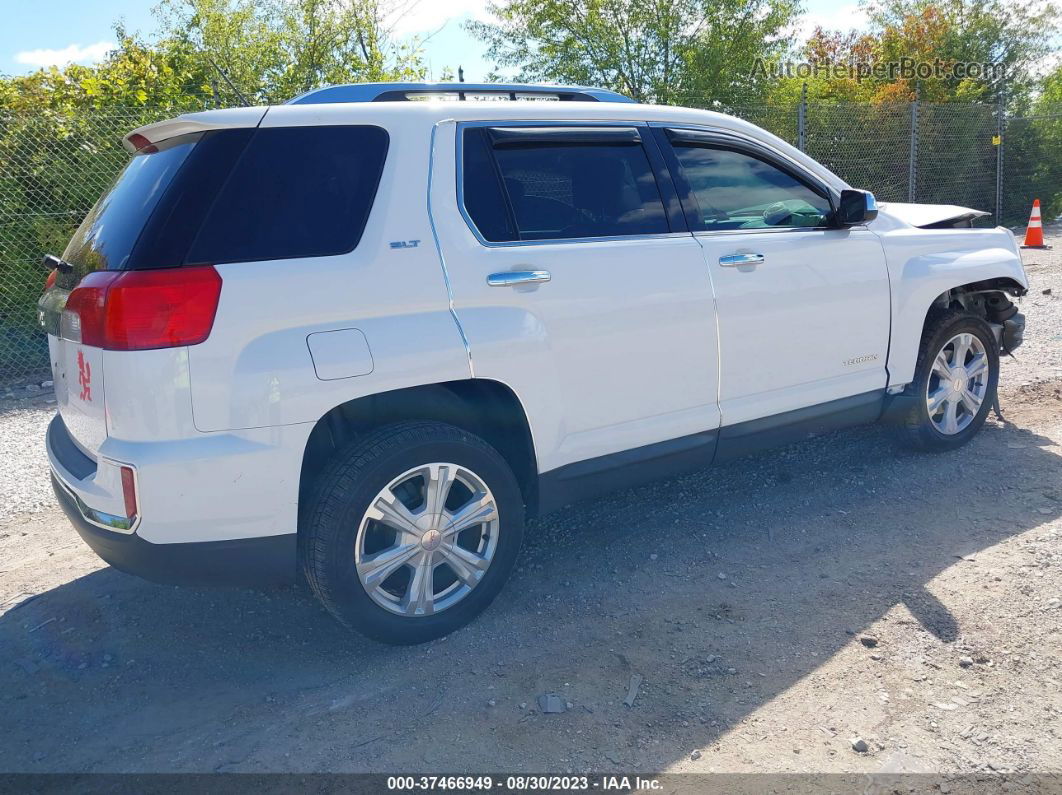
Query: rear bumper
[
  {"x": 217, "y": 510},
  {"x": 269, "y": 560}
]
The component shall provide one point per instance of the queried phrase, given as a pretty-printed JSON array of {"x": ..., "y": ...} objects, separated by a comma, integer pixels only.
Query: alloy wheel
[
  {"x": 958, "y": 383},
  {"x": 427, "y": 539}
]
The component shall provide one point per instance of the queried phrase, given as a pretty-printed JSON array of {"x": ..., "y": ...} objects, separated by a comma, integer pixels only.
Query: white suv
[{"x": 365, "y": 338}]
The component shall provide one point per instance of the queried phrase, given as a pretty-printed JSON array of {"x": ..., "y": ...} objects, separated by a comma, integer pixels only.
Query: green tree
[
  {"x": 61, "y": 129},
  {"x": 60, "y": 146},
  {"x": 827, "y": 49},
  {"x": 955, "y": 153},
  {"x": 666, "y": 51},
  {"x": 1032, "y": 159},
  {"x": 137, "y": 73},
  {"x": 1010, "y": 36},
  {"x": 1013, "y": 36},
  {"x": 272, "y": 50}
]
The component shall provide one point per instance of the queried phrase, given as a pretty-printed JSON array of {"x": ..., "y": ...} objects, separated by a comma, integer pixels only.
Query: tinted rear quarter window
[
  {"x": 176, "y": 220},
  {"x": 236, "y": 195},
  {"x": 295, "y": 192}
]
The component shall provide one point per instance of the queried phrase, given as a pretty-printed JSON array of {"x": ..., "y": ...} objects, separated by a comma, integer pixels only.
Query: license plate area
[{"x": 78, "y": 375}]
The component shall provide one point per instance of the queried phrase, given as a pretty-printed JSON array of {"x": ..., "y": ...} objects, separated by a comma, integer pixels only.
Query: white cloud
[
  {"x": 427, "y": 16},
  {"x": 844, "y": 18},
  {"x": 75, "y": 53}
]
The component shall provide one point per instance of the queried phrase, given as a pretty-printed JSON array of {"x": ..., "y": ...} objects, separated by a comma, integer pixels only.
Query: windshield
[{"x": 106, "y": 237}]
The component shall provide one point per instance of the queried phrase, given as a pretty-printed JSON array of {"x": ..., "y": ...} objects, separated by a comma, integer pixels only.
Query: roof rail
[{"x": 401, "y": 92}]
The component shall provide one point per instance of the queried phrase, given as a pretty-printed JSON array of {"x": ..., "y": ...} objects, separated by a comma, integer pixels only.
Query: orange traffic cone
[{"x": 1034, "y": 233}]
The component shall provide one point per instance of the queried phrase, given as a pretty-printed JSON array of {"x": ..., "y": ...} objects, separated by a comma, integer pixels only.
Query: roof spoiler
[{"x": 149, "y": 134}]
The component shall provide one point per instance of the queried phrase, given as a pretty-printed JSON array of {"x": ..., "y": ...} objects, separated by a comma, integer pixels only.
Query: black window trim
[
  {"x": 669, "y": 135},
  {"x": 506, "y": 136},
  {"x": 668, "y": 196}
]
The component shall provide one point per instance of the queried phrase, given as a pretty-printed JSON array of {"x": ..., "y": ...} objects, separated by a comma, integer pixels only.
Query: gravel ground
[
  {"x": 24, "y": 483},
  {"x": 1041, "y": 355},
  {"x": 778, "y": 610}
]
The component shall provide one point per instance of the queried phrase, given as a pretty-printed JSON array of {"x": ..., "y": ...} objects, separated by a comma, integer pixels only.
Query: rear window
[
  {"x": 106, "y": 237},
  {"x": 237, "y": 195}
]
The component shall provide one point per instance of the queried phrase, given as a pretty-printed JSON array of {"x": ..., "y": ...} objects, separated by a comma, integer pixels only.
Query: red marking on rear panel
[{"x": 84, "y": 377}]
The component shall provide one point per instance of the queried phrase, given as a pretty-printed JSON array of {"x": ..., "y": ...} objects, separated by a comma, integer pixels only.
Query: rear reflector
[
  {"x": 49, "y": 283},
  {"x": 142, "y": 310},
  {"x": 129, "y": 492}
]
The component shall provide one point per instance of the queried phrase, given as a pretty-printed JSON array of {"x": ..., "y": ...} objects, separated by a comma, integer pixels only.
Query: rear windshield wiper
[{"x": 54, "y": 263}]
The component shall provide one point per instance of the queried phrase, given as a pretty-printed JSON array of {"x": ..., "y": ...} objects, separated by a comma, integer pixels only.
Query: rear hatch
[{"x": 122, "y": 285}]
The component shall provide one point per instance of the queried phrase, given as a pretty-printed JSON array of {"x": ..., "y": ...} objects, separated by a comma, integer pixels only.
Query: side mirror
[{"x": 856, "y": 207}]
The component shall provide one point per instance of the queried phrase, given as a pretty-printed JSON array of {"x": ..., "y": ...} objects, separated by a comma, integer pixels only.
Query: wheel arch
[
  {"x": 974, "y": 297},
  {"x": 985, "y": 298},
  {"x": 487, "y": 408},
  {"x": 917, "y": 425}
]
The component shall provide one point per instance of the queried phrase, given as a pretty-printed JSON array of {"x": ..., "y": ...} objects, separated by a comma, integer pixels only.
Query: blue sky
[{"x": 36, "y": 33}]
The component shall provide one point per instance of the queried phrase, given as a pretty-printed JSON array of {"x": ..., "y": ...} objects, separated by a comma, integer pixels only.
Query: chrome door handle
[
  {"x": 516, "y": 278},
  {"x": 735, "y": 260}
]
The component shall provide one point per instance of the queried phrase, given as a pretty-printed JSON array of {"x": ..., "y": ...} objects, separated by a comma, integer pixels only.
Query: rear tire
[
  {"x": 383, "y": 546},
  {"x": 955, "y": 384}
]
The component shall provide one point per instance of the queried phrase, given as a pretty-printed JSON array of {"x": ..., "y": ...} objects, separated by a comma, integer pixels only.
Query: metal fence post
[
  {"x": 1001, "y": 123},
  {"x": 802, "y": 115},
  {"x": 912, "y": 165}
]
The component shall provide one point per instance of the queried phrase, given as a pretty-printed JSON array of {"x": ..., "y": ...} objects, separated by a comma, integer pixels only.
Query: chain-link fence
[
  {"x": 1031, "y": 166},
  {"x": 53, "y": 166},
  {"x": 903, "y": 152}
]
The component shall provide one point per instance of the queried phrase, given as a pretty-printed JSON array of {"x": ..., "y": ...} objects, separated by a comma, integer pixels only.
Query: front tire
[
  {"x": 412, "y": 531},
  {"x": 955, "y": 384}
]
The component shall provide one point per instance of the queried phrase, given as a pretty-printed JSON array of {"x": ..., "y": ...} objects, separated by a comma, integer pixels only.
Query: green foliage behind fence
[{"x": 54, "y": 165}]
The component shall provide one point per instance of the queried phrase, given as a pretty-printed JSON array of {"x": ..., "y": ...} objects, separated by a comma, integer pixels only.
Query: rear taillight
[
  {"x": 140, "y": 310},
  {"x": 140, "y": 143},
  {"x": 49, "y": 283},
  {"x": 82, "y": 318}
]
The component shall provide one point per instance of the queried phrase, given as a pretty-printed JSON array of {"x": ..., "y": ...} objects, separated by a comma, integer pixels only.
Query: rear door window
[{"x": 560, "y": 184}]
